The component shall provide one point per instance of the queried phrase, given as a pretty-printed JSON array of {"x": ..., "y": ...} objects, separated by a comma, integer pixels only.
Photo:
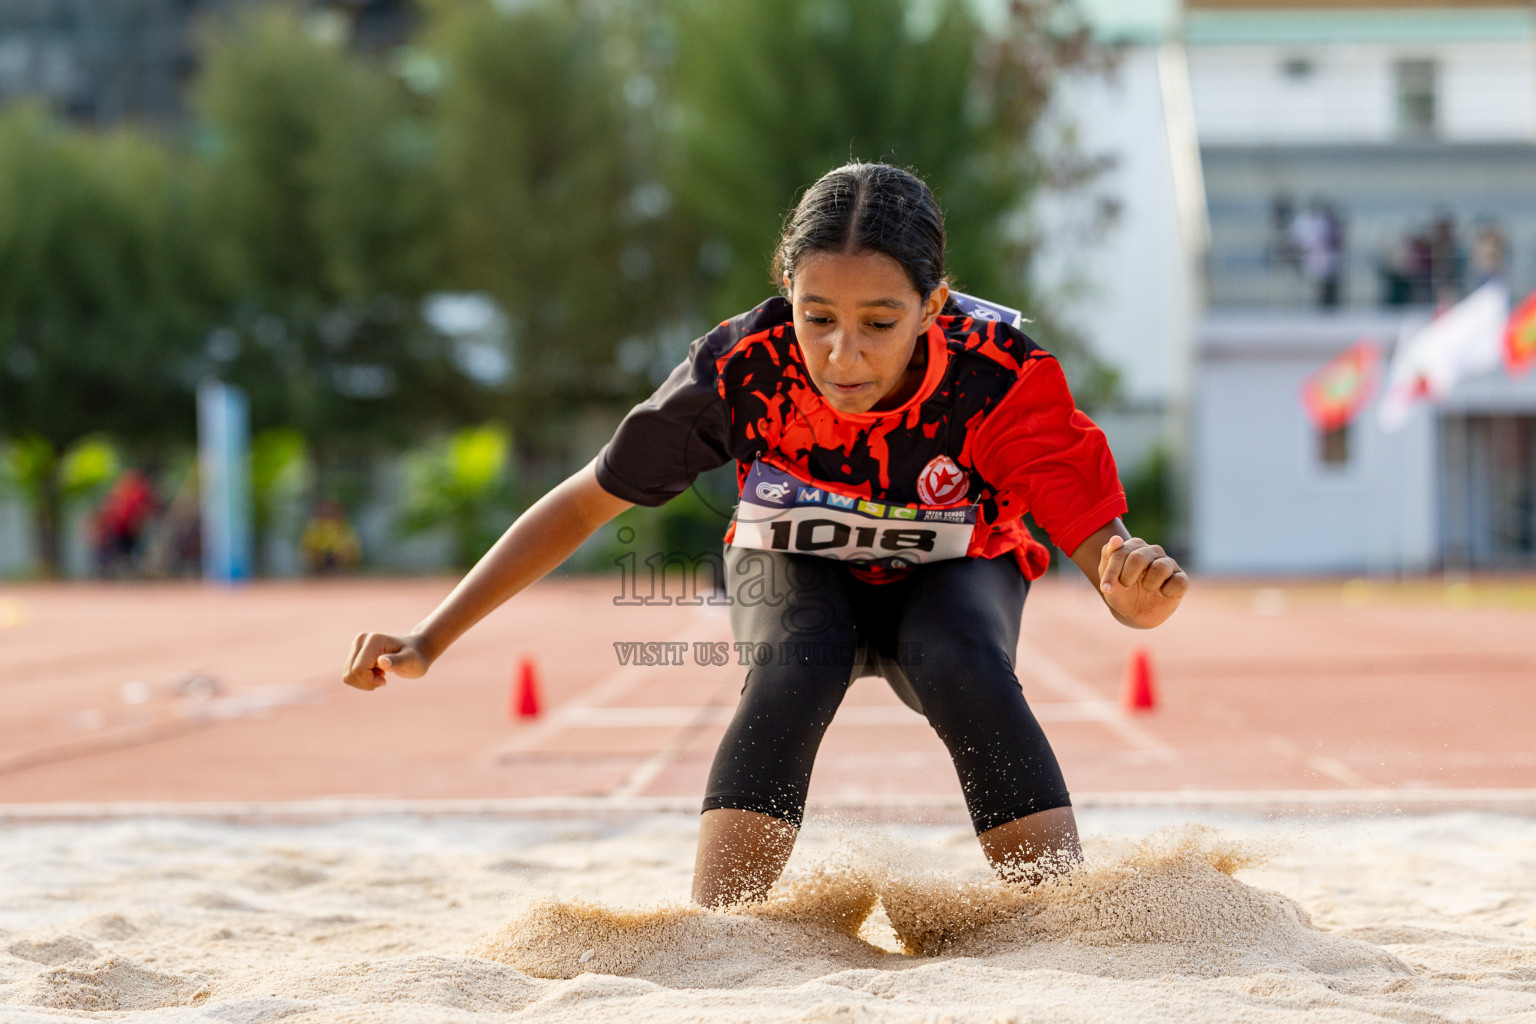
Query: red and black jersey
[{"x": 991, "y": 400}]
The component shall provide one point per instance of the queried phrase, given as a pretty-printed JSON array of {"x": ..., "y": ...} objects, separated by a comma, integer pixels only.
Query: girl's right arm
[{"x": 538, "y": 541}]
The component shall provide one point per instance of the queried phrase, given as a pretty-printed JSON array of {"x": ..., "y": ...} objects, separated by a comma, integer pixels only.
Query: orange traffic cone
[
  {"x": 1139, "y": 693},
  {"x": 525, "y": 691}
]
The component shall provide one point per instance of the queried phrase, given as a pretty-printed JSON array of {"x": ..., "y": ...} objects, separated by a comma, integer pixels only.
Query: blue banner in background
[{"x": 224, "y": 470}]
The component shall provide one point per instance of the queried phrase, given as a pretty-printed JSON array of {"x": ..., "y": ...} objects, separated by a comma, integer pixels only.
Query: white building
[
  {"x": 1402, "y": 134},
  {"x": 1133, "y": 289},
  {"x": 1396, "y": 117}
]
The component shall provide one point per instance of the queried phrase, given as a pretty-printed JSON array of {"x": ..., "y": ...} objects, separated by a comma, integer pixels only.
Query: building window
[
  {"x": 1416, "y": 107},
  {"x": 1333, "y": 447}
]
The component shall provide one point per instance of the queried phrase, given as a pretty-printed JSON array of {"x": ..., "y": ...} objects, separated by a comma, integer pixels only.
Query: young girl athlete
[{"x": 886, "y": 452}]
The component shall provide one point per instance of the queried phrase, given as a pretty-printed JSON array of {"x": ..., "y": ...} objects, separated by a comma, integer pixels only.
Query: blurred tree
[
  {"x": 34, "y": 470},
  {"x": 88, "y": 467},
  {"x": 554, "y": 212},
  {"x": 460, "y": 483},
  {"x": 326, "y": 226},
  {"x": 102, "y": 299},
  {"x": 1148, "y": 494},
  {"x": 770, "y": 95},
  {"x": 279, "y": 458}
]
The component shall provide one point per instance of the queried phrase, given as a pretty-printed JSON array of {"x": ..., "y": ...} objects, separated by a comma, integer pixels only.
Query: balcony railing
[{"x": 1362, "y": 281}]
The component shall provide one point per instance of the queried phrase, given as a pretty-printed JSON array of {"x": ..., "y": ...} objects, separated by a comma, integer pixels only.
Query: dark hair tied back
[{"x": 868, "y": 208}]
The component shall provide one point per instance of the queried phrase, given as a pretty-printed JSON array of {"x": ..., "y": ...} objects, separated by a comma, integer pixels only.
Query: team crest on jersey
[{"x": 942, "y": 482}]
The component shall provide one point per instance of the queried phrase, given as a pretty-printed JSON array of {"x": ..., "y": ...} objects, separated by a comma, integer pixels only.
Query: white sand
[{"x": 1414, "y": 919}]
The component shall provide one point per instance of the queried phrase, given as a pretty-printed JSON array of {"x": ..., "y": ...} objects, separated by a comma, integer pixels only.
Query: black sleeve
[{"x": 679, "y": 432}]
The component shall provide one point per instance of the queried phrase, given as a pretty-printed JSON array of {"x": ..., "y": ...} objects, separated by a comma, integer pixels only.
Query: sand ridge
[
  {"x": 437, "y": 921},
  {"x": 111, "y": 983},
  {"x": 1171, "y": 905}
]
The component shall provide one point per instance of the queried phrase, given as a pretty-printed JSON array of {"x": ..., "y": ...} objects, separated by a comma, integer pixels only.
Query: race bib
[
  {"x": 781, "y": 512},
  {"x": 981, "y": 309}
]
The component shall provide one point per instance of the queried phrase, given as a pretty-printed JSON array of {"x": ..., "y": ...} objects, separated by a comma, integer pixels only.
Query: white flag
[{"x": 1464, "y": 341}]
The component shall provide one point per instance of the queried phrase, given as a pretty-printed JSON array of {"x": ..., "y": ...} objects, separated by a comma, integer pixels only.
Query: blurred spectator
[
  {"x": 329, "y": 544},
  {"x": 1334, "y": 237},
  {"x": 1420, "y": 262},
  {"x": 186, "y": 541},
  {"x": 183, "y": 531},
  {"x": 1447, "y": 261},
  {"x": 1430, "y": 267},
  {"x": 1399, "y": 270},
  {"x": 1318, "y": 235},
  {"x": 1281, "y": 251},
  {"x": 174, "y": 546},
  {"x": 1490, "y": 251},
  {"x": 121, "y": 523}
]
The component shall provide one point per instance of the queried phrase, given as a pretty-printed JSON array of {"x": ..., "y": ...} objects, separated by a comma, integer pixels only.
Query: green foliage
[
  {"x": 540, "y": 159},
  {"x": 32, "y": 468},
  {"x": 690, "y": 525},
  {"x": 102, "y": 299},
  {"x": 87, "y": 467},
  {"x": 27, "y": 467},
  {"x": 324, "y": 211},
  {"x": 1147, "y": 496},
  {"x": 101, "y": 296},
  {"x": 613, "y": 175},
  {"x": 771, "y": 95},
  {"x": 461, "y": 483},
  {"x": 322, "y": 176},
  {"x": 279, "y": 460}
]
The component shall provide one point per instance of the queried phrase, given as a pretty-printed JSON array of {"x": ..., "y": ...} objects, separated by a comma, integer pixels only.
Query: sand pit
[{"x": 1418, "y": 919}]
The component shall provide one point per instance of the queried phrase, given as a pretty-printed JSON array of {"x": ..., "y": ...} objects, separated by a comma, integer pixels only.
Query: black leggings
[{"x": 945, "y": 638}]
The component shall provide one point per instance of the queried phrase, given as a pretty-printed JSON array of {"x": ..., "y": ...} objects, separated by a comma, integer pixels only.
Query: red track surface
[{"x": 1317, "y": 687}]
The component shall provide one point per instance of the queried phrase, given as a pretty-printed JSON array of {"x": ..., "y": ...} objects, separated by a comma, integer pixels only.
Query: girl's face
[{"x": 858, "y": 320}]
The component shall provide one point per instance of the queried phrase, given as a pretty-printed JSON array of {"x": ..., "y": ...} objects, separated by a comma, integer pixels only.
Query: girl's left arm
[{"x": 1139, "y": 582}]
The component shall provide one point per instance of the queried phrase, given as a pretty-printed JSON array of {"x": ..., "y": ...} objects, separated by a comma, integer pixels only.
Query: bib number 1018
[{"x": 826, "y": 534}]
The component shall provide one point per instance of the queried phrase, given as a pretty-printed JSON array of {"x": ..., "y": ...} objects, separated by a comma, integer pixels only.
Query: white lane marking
[
  {"x": 680, "y": 716},
  {"x": 1032, "y": 661},
  {"x": 610, "y": 687},
  {"x": 646, "y": 771},
  {"x": 178, "y": 720},
  {"x": 1336, "y": 770},
  {"x": 344, "y": 807}
]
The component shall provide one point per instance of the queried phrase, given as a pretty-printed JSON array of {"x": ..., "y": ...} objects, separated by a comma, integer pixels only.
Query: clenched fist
[
  {"x": 375, "y": 654},
  {"x": 1140, "y": 583}
]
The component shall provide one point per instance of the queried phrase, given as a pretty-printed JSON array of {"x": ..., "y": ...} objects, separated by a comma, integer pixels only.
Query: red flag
[
  {"x": 1520, "y": 336},
  {"x": 1337, "y": 392}
]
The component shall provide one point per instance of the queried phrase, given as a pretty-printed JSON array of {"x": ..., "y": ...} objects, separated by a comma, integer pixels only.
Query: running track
[{"x": 1318, "y": 694}]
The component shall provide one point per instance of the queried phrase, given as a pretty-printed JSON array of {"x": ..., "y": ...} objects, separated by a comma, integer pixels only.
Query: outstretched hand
[
  {"x": 1139, "y": 581},
  {"x": 537, "y": 542},
  {"x": 375, "y": 654}
]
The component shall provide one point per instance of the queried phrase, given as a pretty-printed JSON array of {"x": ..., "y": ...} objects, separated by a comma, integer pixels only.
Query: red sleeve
[{"x": 1047, "y": 458}]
